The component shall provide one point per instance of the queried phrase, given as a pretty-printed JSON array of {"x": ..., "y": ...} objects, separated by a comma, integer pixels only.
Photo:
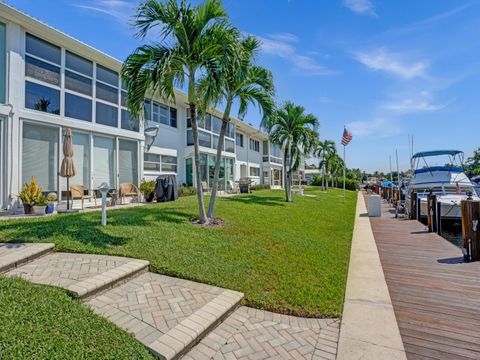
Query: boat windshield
[{"x": 449, "y": 160}]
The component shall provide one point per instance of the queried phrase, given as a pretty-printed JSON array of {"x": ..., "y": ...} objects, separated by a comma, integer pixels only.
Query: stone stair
[{"x": 168, "y": 315}]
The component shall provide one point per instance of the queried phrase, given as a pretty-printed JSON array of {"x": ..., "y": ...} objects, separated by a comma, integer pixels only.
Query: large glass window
[
  {"x": 40, "y": 155},
  {"x": 103, "y": 161},
  {"x": 43, "y": 49},
  {"x": 129, "y": 122},
  {"x": 78, "y": 64},
  {"x": 42, "y": 71},
  {"x": 230, "y": 131},
  {"x": 254, "y": 171},
  {"x": 78, "y": 107},
  {"x": 107, "y": 115},
  {"x": 216, "y": 124},
  {"x": 254, "y": 145},
  {"x": 3, "y": 62},
  {"x": 81, "y": 159},
  {"x": 204, "y": 139},
  {"x": 190, "y": 137},
  {"x": 78, "y": 83},
  {"x": 42, "y": 98},
  {"x": 207, "y": 168},
  {"x": 173, "y": 117},
  {"x": 164, "y": 115},
  {"x": 128, "y": 161},
  {"x": 229, "y": 146},
  {"x": 107, "y": 93},
  {"x": 107, "y": 76},
  {"x": 215, "y": 142},
  {"x": 229, "y": 167},
  {"x": 147, "y": 107}
]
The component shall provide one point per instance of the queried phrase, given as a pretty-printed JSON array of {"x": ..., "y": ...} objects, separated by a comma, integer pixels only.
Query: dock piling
[
  {"x": 470, "y": 235},
  {"x": 432, "y": 218}
]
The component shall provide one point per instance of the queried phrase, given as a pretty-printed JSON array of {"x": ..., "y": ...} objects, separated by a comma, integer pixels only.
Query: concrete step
[
  {"x": 14, "y": 255},
  {"x": 168, "y": 315},
  {"x": 83, "y": 275}
]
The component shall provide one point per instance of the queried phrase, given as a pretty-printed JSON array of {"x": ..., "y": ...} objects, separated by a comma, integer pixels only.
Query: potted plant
[
  {"x": 40, "y": 205},
  {"x": 51, "y": 198},
  {"x": 148, "y": 190},
  {"x": 29, "y": 194}
]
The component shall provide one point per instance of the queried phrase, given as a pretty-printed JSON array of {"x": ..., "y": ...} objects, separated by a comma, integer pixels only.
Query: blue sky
[{"x": 385, "y": 69}]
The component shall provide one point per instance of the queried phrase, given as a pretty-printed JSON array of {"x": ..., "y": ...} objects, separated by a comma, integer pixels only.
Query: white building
[{"x": 50, "y": 81}]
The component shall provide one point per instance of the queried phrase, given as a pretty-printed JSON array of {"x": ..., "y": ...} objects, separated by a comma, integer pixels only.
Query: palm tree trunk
[
  {"x": 213, "y": 198},
  {"x": 201, "y": 205},
  {"x": 323, "y": 174},
  {"x": 288, "y": 191}
]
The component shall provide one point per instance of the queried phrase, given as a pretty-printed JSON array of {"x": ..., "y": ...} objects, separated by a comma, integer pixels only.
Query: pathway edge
[{"x": 369, "y": 328}]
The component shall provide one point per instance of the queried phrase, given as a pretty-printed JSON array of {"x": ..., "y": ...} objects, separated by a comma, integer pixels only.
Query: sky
[{"x": 387, "y": 70}]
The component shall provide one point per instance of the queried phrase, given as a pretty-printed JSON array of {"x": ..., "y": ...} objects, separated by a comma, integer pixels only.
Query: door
[{"x": 2, "y": 166}]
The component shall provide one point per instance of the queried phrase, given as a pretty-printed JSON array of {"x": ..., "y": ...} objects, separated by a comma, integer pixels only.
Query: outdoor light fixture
[
  {"x": 103, "y": 188},
  {"x": 152, "y": 132}
]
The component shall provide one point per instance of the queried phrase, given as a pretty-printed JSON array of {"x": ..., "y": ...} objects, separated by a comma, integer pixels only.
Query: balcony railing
[{"x": 273, "y": 160}]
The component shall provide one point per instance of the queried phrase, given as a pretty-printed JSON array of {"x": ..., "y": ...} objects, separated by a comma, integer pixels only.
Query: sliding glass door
[
  {"x": 104, "y": 161},
  {"x": 128, "y": 161},
  {"x": 81, "y": 159}
]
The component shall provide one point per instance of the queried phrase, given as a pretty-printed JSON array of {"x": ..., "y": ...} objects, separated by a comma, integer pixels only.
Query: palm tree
[
  {"x": 323, "y": 150},
  {"x": 296, "y": 132},
  {"x": 336, "y": 167},
  {"x": 194, "y": 40},
  {"x": 241, "y": 81}
]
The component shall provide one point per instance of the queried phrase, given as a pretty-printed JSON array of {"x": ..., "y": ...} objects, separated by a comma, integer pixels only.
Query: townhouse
[{"x": 50, "y": 81}]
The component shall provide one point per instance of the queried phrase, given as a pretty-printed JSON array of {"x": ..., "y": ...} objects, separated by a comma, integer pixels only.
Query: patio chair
[
  {"x": 78, "y": 192},
  {"x": 128, "y": 190},
  {"x": 205, "y": 188}
]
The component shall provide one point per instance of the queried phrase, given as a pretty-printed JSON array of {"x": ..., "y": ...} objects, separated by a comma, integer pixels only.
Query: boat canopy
[
  {"x": 439, "y": 168},
  {"x": 436, "y": 153}
]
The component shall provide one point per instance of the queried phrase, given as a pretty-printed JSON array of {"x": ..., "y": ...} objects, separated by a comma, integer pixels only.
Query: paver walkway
[
  {"x": 435, "y": 296},
  {"x": 173, "y": 317}
]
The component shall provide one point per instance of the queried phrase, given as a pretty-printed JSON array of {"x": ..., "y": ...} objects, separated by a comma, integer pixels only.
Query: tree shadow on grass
[
  {"x": 257, "y": 200},
  {"x": 85, "y": 228}
]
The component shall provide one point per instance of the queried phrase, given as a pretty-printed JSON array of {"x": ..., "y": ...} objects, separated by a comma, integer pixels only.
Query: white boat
[{"x": 440, "y": 172}]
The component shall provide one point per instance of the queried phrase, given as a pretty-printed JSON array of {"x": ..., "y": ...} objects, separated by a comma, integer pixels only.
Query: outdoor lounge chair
[
  {"x": 78, "y": 192},
  {"x": 128, "y": 190},
  {"x": 205, "y": 188}
]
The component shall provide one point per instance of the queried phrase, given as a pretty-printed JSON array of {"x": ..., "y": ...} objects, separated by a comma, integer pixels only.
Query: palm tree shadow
[{"x": 257, "y": 200}]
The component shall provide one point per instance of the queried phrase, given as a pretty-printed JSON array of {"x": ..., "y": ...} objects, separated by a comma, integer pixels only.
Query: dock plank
[{"x": 435, "y": 296}]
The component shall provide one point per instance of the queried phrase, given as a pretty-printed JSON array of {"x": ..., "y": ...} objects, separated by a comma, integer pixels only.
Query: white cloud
[
  {"x": 283, "y": 46},
  {"x": 380, "y": 127},
  {"x": 119, "y": 9},
  {"x": 423, "y": 102},
  {"x": 361, "y": 7},
  {"x": 382, "y": 60}
]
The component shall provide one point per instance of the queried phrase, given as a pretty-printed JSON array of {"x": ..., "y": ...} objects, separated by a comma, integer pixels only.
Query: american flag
[{"x": 347, "y": 137}]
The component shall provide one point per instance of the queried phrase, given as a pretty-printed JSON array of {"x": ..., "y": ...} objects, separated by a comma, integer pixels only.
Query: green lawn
[
  {"x": 289, "y": 258},
  {"x": 40, "y": 322}
]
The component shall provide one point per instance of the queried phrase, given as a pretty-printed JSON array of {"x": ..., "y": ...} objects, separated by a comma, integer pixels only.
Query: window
[
  {"x": 127, "y": 161},
  {"x": 254, "y": 171},
  {"x": 173, "y": 117},
  {"x": 42, "y": 49},
  {"x": 230, "y": 131},
  {"x": 107, "y": 115},
  {"x": 189, "y": 137},
  {"x": 107, "y": 93},
  {"x": 189, "y": 171},
  {"x": 239, "y": 139},
  {"x": 78, "y": 83},
  {"x": 107, "y": 76},
  {"x": 163, "y": 163},
  {"x": 147, "y": 107},
  {"x": 169, "y": 163},
  {"x": 151, "y": 162},
  {"x": 3, "y": 62},
  {"x": 103, "y": 161},
  {"x": 78, "y": 64},
  {"x": 42, "y": 71},
  {"x": 163, "y": 114},
  {"x": 217, "y": 124},
  {"x": 254, "y": 145},
  {"x": 215, "y": 142},
  {"x": 128, "y": 122},
  {"x": 40, "y": 155},
  {"x": 81, "y": 159},
  {"x": 42, "y": 98},
  {"x": 275, "y": 150},
  {"x": 204, "y": 139},
  {"x": 123, "y": 98},
  {"x": 229, "y": 146},
  {"x": 78, "y": 107},
  {"x": 208, "y": 122}
]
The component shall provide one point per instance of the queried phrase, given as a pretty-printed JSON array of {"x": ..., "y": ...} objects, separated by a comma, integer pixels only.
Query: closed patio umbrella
[{"x": 67, "y": 170}]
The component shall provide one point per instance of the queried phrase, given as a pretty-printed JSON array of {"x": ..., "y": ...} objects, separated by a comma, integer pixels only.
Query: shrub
[
  {"x": 147, "y": 187},
  {"x": 350, "y": 184},
  {"x": 30, "y": 192},
  {"x": 260, "y": 187},
  {"x": 185, "y": 190}
]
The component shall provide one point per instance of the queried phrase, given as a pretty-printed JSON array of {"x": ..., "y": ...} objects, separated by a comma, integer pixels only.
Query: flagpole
[{"x": 344, "y": 170}]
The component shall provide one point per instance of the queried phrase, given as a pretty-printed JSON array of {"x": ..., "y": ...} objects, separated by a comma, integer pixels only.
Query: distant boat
[
  {"x": 476, "y": 184},
  {"x": 445, "y": 179}
]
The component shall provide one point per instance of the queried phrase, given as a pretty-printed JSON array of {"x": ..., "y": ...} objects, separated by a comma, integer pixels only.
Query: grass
[
  {"x": 40, "y": 322},
  {"x": 289, "y": 258}
]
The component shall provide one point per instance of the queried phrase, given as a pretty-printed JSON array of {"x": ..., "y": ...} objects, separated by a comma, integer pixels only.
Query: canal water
[{"x": 454, "y": 236}]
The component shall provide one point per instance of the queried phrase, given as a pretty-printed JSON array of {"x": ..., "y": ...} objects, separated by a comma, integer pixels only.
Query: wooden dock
[{"x": 436, "y": 297}]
